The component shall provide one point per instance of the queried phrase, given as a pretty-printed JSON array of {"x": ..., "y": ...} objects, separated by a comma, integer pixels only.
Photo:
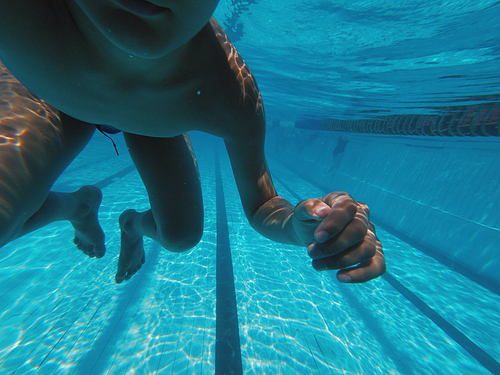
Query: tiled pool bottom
[{"x": 62, "y": 313}]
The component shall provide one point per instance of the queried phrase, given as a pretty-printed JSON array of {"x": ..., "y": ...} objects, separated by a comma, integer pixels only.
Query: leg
[
  {"x": 169, "y": 171},
  {"x": 80, "y": 208},
  {"x": 36, "y": 144}
]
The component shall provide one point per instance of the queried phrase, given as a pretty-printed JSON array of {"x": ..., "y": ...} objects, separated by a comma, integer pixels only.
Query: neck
[{"x": 106, "y": 56}]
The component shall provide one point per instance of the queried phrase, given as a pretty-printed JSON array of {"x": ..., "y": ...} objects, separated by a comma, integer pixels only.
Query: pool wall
[{"x": 441, "y": 192}]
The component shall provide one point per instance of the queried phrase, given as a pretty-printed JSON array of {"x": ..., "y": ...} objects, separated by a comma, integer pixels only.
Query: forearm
[{"x": 274, "y": 221}]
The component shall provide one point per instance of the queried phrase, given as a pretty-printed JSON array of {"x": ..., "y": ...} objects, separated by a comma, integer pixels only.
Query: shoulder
[
  {"x": 240, "y": 104},
  {"x": 249, "y": 91}
]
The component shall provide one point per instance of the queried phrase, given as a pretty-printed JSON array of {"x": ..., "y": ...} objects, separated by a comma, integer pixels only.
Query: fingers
[
  {"x": 319, "y": 220},
  {"x": 349, "y": 244},
  {"x": 343, "y": 210},
  {"x": 352, "y": 233},
  {"x": 358, "y": 253},
  {"x": 365, "y": 268},
  {"x": 365, "y": 271}
]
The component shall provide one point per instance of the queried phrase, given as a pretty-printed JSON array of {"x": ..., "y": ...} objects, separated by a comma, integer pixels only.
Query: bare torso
[
  {"x": 157, "y": 70},
  {"x": 204, "y": 85}
]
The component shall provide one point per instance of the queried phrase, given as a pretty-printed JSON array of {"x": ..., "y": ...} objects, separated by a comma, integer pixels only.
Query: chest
[{"x": 166, "y": 109}]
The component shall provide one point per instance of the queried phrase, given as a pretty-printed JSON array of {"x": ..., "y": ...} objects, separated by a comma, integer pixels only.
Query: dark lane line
[
  {"x": 486, "y": 282},
  {"x": 227, "y": 345},
  {"x": 469, "y": 346},
  {"x": 110, "y": 179},
  {"x": 227, "y": 335}
]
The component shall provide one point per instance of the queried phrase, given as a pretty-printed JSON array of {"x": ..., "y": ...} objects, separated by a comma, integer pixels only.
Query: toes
[
  {"x": 134, "y": 271},
  {"x": 127, "y": 275},
  {"x": 89, "y": 249},
  {"x": 130, "y": 274},
  {"x": 119, "y": 279},
  {"x": 120, "y": 275},
  {"x": 99, "y": 251},
  {"x": 77, "y": 242}
]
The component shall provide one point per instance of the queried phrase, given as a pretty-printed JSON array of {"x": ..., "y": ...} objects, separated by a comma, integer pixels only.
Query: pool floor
[{"x": 62, "y": 313}]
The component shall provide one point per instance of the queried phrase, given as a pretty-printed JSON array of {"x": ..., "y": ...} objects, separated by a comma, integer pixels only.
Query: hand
[{"x": 340, "y": 236}]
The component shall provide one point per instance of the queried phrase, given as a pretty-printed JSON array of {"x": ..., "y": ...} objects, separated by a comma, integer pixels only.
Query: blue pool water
[
  {"x": 239, "y": 303},
  {"x": 353, "y": 58},
  {"x": 63, "y": 313}
]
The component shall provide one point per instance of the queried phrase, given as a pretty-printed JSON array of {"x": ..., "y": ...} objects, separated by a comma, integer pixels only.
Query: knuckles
[
  {"x": 336, "y": 195},
  {"x": 358, "y": 230}
]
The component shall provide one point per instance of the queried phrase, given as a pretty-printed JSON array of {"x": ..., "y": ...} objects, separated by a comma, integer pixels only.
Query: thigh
[
  {"x": 37, "y": 143},
  {"x": 169, "y": 171}
]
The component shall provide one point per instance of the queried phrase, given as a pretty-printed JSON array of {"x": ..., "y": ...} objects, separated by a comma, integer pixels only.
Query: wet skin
[{"x": 157, "y": 72}]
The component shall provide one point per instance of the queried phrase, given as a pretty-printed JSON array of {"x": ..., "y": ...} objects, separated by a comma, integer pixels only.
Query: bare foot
[
  {"x": 132, "y": 255},
  {"x": 89, "y": 236}
]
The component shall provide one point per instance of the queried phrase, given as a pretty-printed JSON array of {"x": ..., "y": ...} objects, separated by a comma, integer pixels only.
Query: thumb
[{"x": 311, "y": 209}]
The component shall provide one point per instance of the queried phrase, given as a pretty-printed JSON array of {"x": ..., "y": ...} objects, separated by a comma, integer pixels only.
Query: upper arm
[{"x": 250, "y": 169}]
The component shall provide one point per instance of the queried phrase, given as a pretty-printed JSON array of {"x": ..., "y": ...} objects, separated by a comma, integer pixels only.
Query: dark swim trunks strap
[{"x": 108, "y": 129}]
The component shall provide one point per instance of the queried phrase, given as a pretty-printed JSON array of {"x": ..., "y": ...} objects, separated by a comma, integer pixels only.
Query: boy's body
[{"x": 154, "y": 70}]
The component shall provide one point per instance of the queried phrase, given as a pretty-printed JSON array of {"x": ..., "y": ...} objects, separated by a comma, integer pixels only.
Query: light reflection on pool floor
[{"x": 62, "y": 313}]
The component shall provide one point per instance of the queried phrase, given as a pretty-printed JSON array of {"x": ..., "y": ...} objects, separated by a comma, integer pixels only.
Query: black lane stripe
[
  {"x": 468, "y": 345},
  {"x": 486, "y": 282},
  {"x": 110, "y": 179},
  {"x": 227, "y": 336}
]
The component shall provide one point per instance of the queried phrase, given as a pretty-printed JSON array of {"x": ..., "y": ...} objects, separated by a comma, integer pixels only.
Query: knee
[{"x": 180, "y": 239}]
